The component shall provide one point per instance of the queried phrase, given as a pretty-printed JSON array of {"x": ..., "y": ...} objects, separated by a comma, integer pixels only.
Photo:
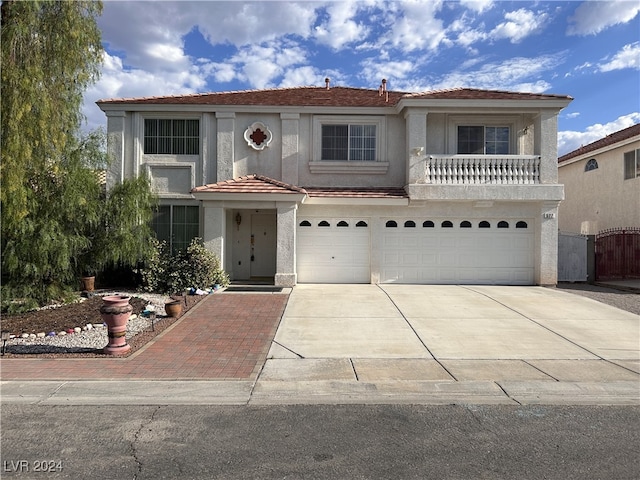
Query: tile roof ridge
[
  {"x": 427, "y": 93},
  {"x": 431, "y": 92},
  {"x": 277, "y": 183},
  {"x": 240, "y": 92}
]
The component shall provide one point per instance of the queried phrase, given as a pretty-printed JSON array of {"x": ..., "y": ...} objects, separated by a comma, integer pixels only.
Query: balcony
[
  {"x": 482, "y": 169},
  {"x": 484, "y": 178}
]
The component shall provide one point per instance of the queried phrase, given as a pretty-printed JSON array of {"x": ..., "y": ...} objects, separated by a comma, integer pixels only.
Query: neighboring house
[
  {"x": 346, "y": 185},
  {"x": 602, "y": 184}
]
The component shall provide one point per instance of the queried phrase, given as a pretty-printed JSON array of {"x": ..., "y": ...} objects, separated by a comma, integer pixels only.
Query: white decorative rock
[
  {"x": 89, "y": 326},
  {"x": 77, "y": 329},
  {"x": 62, "y": 333},
  {"x": 133, "y": 316},
  {"x": 32, "y": 335},
  {"x": 41, "y": 335},
  {"x": 24, "y": 335}
]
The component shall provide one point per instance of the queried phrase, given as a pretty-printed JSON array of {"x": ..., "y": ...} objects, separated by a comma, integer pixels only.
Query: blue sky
[{"x": 589, "y": 50}]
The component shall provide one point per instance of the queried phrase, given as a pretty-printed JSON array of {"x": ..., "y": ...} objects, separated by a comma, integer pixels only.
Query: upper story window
[
  {"x": 591, "y": 165},
  {"x": 350, "y": 142},
  {"x": 483, "y": 140},
  {"x": 632, "y": 164},
  {"x": 171, "y": 136}
]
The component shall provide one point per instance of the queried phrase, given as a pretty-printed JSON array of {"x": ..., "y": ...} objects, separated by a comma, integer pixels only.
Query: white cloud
[
  {"x": 569, "y": 141},
  {"x": 573, "y": 115},
  {"x": 628, "y": 57},
  {"x": 394, "y": 71},
  {"x": 243, "y": 23},
  {"x": 518, "y": 25},
  {"x": 593, "y": 17},
  {"x": 477, "y": 6},
  {"x": 341, "y": 29},
  {"x": 306, "y": 75},
  {"x": 260, "y": 65},
  {"x": 515, "y": 74},
  {"x": 414, "y": 25}
]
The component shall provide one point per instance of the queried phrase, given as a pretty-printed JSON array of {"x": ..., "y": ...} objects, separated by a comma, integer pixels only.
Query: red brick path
[{"x": 225, "y": 336}]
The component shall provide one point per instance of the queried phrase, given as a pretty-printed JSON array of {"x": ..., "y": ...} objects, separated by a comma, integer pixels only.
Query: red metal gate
[{"x": 618, "y": 254}]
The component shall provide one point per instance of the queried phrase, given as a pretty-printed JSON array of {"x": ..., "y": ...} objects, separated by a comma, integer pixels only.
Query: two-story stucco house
[
  {"x": 602, "y": 184},
  {"x": 347, "y": 185}
]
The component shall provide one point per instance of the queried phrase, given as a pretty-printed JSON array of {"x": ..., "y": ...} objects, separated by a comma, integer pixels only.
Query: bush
[{"x": 195, "y": 267}]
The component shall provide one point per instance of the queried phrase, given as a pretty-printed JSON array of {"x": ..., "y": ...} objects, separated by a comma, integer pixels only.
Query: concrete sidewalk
[{"x": 406, "y": 344}]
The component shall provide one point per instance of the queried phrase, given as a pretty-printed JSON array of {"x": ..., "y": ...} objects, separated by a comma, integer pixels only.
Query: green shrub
[{"x": 195, "y": 267}]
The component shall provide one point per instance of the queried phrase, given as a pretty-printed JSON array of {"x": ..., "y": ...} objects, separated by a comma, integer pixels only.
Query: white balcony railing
[{"x": 482, "y": 169}]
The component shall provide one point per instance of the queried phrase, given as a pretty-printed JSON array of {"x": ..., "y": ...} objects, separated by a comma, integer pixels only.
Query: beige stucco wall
[{"x": 599, "y": 199}]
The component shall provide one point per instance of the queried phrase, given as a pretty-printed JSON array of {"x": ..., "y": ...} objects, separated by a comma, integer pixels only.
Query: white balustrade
[{"x": 483, "y": 169}]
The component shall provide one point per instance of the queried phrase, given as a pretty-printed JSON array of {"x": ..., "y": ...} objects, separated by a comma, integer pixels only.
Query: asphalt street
[{"x": 320, "y": 442}]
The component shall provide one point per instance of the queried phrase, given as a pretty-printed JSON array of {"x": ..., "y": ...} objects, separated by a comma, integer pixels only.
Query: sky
[{"x": 588, "y": 50}]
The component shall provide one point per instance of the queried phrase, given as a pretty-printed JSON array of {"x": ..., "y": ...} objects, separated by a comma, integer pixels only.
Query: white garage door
[
  {"x": 456, "y": 251},
  {"x": 333, "y": 250}
]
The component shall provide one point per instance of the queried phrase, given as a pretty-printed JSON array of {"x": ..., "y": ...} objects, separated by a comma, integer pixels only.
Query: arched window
[
  {"x": 391, "y": 224},
  {"x": 409, "y": 224},
  {"x": 361, "y": 223},
  {"x": 305, "y": 223},
  {"x": 324, "y": 223},
  {"x": 428, "y": 224},
  {"x": 447, "y": 224},
  {"x": 342, "y": 223},
  {"x": 484, "y": 224},
  {"x": 465, "y": 224},
  {"x": 503, "y": 224},
  {"x": 591, "y": 165},
  {"x": 522, "y": 224}
]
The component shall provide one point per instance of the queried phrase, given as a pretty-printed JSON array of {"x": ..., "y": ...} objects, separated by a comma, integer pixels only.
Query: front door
[{"x": 263, "y": 245}]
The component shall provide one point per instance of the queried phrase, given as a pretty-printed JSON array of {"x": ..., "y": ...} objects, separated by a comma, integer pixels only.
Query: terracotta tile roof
[
  {"x": 323, "y": 97},
  {"x": 249, "y": 184},
  {"x": 478, "y": 94},
  {"x": 607, "y": 141},
  {"x": 356, "y": 192},
  {"x": 297, "y": 96},
  {"x": 261, "y": 184}
]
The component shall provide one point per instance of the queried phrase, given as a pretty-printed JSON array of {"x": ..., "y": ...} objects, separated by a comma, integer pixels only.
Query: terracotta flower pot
[
  {"x": 173, "y": 308},
  {"x": 88, "y": 283},
  {"x": 115, "y": 312}
]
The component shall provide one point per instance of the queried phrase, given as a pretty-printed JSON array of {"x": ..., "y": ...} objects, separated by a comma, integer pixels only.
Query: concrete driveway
[{"x": 512, "y": 340}]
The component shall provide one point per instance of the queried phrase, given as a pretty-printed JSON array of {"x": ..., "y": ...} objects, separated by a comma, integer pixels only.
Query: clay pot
[
  {"x": 115, "y": 312},
  {"x": 88, "y": 283},
  {"x": 173, "y": 308}
]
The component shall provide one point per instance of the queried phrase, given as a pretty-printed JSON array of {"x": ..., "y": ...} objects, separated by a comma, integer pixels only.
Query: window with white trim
[
  {"x": 483, "y": 140},
  {"x": 166, "y": 136},
  {"x": 345, "y": 144},
  {"x": 631, "y": 164},
  {"x": 349, "y": 142}
]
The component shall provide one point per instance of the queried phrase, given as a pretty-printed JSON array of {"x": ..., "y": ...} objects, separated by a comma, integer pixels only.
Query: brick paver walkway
[{"x": 225, "y": 336}]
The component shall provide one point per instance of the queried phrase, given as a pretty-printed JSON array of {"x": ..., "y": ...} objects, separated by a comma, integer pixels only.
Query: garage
[
  {"x": 457, "y": 251},
  {"x": 333, "y": 250}
]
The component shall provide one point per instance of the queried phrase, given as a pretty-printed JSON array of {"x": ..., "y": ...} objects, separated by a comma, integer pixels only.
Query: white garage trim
[{"x": 333, "y": 250}]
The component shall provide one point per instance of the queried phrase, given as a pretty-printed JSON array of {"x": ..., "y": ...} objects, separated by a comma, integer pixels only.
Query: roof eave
[
  {"x": 520, "y": 104},
  {"x": 250, "y": 197}
]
